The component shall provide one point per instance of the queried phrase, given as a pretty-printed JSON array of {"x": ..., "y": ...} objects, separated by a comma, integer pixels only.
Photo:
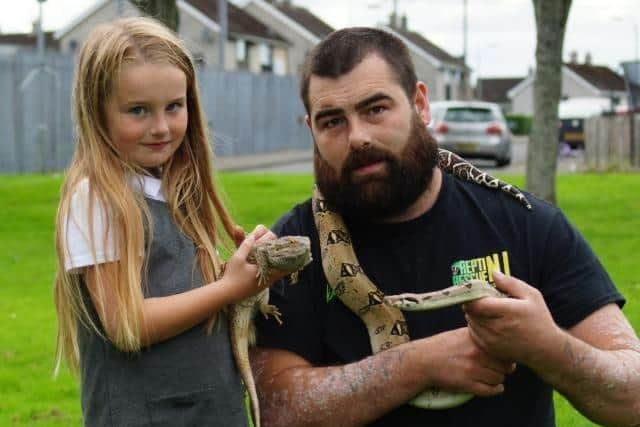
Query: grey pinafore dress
[{"x": 188, "y": 380}]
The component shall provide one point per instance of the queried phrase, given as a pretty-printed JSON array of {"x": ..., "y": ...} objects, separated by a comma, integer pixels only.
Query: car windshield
[{"x": 468, "y": 114}]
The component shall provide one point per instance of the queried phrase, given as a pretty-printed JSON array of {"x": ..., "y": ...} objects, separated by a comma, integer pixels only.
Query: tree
[
  {"x": 542, "y": 156},
  {"x": 165, "y": 11}
]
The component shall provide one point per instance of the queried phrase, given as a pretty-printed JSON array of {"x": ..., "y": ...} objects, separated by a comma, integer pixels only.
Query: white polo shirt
[{"x": 78, "y": 234}]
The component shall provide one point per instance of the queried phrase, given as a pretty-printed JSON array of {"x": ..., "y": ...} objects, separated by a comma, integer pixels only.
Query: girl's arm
[{"x": 165, "y": 317}]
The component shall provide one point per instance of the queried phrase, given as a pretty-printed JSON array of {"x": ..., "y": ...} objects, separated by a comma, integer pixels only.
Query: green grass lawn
[{"x": 604, "y": 207}]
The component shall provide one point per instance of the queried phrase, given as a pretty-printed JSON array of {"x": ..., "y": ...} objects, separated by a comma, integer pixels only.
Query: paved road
[{"x": 567, "y": 163}]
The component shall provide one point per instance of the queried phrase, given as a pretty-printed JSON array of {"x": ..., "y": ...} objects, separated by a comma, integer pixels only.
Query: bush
[{"x": 519, "y": 124}]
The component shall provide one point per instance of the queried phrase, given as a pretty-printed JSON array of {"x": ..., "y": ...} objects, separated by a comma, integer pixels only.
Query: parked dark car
[
  {"x": 472, "y": 129},
  {"x": 573, "y": 112}
]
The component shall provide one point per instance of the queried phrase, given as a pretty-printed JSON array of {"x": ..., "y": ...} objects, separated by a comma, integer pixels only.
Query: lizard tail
[{"x": 241, "y": 329}]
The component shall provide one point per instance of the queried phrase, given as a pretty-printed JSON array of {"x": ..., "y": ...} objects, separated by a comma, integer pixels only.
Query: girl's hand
[{"x": 240, "y": 277}]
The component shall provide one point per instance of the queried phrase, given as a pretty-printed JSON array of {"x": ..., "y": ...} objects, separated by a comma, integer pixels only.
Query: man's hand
[
  {"x": 458, "y": 364},
  {"x": 518, "y": 328}
]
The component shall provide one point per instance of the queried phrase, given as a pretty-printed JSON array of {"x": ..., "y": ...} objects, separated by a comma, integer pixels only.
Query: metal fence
[{"x": 247, "y": 113}]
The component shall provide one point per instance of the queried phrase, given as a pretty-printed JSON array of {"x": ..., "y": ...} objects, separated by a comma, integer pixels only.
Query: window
[
  {"x": 242, "y": 56},
  {"x": 266, "y": 57},
  {"x": 468, "y": 114}
]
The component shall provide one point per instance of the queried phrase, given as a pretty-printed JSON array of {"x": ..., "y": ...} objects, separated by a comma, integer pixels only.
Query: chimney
[
  {"x": 403, "y": 22},
  {"x": 573, "y": 57},
  {"x": 587, "y": 58}
]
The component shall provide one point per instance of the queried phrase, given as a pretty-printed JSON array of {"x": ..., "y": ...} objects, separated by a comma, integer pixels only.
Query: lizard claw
[{"x": 271, "y": 310}]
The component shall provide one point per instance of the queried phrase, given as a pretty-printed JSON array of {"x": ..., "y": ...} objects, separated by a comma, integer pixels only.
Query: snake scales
[{"x": 385, "y": 322}]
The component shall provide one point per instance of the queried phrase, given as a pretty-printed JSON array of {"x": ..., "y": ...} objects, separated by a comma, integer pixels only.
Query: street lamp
[{"x": 40, "y": 32}]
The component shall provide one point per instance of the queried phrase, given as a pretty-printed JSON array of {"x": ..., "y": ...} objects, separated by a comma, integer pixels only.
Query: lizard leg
[{"x": 271, "y": 310}]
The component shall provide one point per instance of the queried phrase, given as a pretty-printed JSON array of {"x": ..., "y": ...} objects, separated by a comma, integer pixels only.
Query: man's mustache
[{"x": 363, "y": 157}]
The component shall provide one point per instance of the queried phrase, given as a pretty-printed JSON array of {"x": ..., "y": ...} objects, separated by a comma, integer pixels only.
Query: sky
[{"x": 501, "y": 33}]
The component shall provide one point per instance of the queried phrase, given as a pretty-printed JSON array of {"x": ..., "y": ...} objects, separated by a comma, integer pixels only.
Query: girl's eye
[
  {"x": 137, "y": 111},
  {"x": 175, "y": 106}
]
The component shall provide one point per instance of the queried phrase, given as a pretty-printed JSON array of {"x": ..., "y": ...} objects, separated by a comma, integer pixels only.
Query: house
[
  {"x": 495, "y": 90},
  {"x": 250, "y": 44},
  {"x": 302, "y": 29},
  {"x": 446, "y": 76},
  {"x": 578, "y": 81}
]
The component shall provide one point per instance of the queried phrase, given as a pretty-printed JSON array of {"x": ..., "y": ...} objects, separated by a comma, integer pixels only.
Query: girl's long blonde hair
[{"x": 193, "y": 201}]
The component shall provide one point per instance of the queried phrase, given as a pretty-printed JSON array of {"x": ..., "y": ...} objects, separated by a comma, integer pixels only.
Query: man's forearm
[
  {"x": 348, "y": 395},
  {"x": 604, "y": 385}
]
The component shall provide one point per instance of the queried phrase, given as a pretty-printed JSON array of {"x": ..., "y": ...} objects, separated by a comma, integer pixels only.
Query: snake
[{"x": 382, "y": 315}]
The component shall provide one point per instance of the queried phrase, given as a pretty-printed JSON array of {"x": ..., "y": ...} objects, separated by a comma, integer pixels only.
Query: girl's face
[{"x": 147, "y": 115}]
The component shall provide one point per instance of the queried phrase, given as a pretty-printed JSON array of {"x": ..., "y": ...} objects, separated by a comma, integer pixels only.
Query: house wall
[
  {"x": 522, "y": 103},
  {"x": 201, "y": 41},
  {"x": 572, "y": 88},
  {"x": 437, "y": 80},
  {"x": 72, "y": 41},
  {"x": 299, "y": 44}
]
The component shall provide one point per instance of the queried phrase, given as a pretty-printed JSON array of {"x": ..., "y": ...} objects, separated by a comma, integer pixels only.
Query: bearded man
[{"x": 415, "y": 228}]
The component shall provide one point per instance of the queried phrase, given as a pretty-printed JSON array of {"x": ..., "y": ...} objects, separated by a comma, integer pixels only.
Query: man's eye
[
  {"x": 332, "y": 123},
  {"x": 377, "y": 109},
  {"x": 137, "y": 111}
]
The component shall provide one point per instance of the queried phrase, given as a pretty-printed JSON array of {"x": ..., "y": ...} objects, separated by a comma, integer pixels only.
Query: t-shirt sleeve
[
  {"x": 573, "y": 280},
  {"x": 86, "y": 242},
  {"x": 302, "y": 328}
]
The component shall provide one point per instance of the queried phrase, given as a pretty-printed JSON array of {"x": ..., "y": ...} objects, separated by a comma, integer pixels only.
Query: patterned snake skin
[{"x": 385, "y": 323}]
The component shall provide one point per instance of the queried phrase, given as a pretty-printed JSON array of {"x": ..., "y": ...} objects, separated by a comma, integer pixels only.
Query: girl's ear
[{"x": 421, "y": 102}]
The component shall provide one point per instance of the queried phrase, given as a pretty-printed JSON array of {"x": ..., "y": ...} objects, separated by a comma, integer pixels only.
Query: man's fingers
[
  {"x": 486, "y": 390},
  {"x": 511, "y": 286}
]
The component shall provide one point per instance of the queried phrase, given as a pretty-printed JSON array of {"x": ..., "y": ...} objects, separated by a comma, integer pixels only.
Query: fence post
[{"x": 635, "y": 143}]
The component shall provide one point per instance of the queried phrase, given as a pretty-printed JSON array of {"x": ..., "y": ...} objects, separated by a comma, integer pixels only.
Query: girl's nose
[{"x": 160, "y": 125}]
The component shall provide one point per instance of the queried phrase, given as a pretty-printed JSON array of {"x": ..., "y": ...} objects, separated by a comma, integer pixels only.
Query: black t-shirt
[{"x": 468, "y": 232}]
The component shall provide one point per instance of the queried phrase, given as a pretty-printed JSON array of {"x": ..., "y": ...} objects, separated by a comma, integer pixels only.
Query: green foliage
[
  {"x": 603, "y": 207},
  {"x": 165, "y": 11},
  {"x": 519, "y": 124}
]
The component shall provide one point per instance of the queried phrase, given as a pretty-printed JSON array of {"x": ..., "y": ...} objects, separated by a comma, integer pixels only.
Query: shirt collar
[{"x": 150, "y": 186}]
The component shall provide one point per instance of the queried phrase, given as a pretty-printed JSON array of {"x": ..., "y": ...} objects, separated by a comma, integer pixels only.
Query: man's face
[{"x": 373, "y": 156}]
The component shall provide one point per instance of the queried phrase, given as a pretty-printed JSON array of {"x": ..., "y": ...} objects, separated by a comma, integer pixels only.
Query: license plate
[
  {"x": 467, "y": 146},
  {"x": 573, "y": 136}
]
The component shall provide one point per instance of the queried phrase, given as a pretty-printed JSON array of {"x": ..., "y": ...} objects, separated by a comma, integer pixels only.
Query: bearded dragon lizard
[{"x": 287, "y": 254}]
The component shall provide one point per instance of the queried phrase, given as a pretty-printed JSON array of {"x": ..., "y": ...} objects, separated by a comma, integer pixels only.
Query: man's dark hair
[{"x": 341, "y": 51}]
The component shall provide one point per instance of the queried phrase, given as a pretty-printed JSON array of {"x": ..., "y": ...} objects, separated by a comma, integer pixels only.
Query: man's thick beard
[{"x": 407, "y": 177}]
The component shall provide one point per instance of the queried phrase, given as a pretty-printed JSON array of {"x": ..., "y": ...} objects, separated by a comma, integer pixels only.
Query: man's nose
[
  {"x": 160, "y": 126},
  {"x": 358, "y": 135}
]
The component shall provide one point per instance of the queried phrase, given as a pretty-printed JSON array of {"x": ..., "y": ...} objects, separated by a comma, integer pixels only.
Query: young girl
[{"x": 137, "y": 229}]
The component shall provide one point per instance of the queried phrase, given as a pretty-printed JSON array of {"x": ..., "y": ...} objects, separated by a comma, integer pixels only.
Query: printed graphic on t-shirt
[
  {"x": 329, "y": 293},
  {"x": 480, "y": 268}
]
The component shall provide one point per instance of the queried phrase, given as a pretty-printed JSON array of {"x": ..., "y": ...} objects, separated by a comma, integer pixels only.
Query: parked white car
[{"x": 472, "y": 129}]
